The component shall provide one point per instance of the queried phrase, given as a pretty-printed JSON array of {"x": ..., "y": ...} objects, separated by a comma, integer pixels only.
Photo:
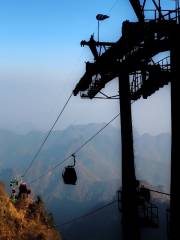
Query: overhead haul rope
[
  {"x": 159, "y": 192},
  {"x": 46, "y": 137},
  {"x": 114, "y": 4},
  {"x": 87, "y": 214},
  {"x": 77, "y": 150}
]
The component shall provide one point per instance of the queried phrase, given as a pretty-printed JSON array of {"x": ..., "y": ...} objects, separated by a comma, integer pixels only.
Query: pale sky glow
[{"x": 41, "y": 61}]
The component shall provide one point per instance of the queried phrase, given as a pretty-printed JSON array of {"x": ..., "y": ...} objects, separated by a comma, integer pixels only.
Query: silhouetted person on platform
[{"x": 23, "y": 190}]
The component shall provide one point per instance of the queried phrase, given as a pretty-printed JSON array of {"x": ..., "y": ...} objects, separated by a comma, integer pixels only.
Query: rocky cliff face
[{"x": 26, "y": 219}]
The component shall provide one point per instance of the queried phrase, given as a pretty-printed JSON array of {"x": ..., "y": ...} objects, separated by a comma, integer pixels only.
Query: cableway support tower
[{"x": 131, "y": 60}]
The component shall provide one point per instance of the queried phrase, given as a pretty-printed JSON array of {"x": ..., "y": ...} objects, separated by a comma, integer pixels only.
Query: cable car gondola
[{"x": 69, "y": 174}]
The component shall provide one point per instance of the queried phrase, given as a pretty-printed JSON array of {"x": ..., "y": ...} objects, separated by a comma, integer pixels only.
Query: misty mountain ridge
[
  {"x": 17, "y": 150},
  {"x": 98, "y": 164},
  {"x": 98, "y": 167}
]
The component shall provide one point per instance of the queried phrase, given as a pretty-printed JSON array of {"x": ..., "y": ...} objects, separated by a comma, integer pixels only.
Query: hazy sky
[{"x": 41, "y": 61}]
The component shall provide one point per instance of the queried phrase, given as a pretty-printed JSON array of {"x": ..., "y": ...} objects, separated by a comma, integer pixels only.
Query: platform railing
[{"x": 153, "y": 14}]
